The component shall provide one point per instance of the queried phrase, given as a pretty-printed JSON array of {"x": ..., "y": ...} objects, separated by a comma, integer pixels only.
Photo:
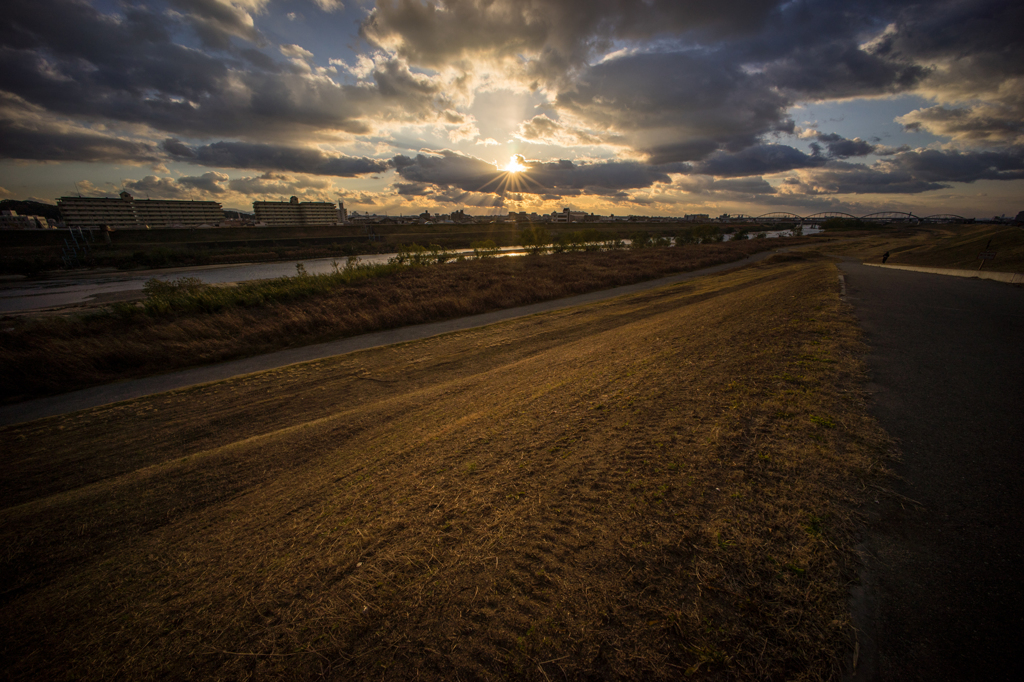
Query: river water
[
  {"x": 86, "y": 287},
  {"x": 83, "y": 288}
]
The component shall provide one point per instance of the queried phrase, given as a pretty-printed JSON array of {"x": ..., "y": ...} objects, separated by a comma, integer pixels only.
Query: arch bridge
[
  {"x": 778, "y": 217},
  {"x": 818, "y": 217},
  {"x": 946, "y": 218},
  {"x": 891, "y": 217}
]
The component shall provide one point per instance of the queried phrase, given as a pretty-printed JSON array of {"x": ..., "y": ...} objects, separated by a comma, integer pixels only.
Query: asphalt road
[
  {"x": 943, "y": 585},
  {"x": 137, "y": 388}
]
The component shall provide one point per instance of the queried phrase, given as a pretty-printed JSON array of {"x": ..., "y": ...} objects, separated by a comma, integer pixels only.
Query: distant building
[
  {"x": 127, "y": 213},
  {"x": 10, "y": 220},
  {"x": 296, "y": 213},
  {"x": 697, "y": 218},
  {"x": 569, "y": 216}
]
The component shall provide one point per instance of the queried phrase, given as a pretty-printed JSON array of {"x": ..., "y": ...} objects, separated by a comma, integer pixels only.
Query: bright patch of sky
[{"x": 873, "y": 120}]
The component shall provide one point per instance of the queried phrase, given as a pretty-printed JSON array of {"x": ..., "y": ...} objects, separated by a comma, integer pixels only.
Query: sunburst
[{"x": 515, "y": 164}]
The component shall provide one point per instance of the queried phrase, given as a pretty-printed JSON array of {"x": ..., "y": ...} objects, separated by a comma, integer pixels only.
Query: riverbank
[{"x": 55, "y": 355}]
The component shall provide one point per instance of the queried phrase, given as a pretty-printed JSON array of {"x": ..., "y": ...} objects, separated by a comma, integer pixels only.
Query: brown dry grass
[
  {"x": 639, "y": 489},
  {"x": 57, "y": 355},
  {"x": 943, "y": 246}
]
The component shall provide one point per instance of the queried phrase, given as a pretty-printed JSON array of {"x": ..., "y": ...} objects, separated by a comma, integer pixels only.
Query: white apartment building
[
  {"x": 127, "y": 213},
  {"x": 296, "y": 213}
]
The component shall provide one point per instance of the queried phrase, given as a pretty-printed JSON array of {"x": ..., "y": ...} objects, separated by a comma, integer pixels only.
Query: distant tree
[
  {"x": 535, "y": 238},
  {"x": 31, "y": 208},
  {"x": 484, "y": 249}
]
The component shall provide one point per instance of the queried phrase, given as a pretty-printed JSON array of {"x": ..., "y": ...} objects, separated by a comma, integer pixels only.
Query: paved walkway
[
  {"x": 136, "y": 388},
  {"x": 942, "y": 594}
]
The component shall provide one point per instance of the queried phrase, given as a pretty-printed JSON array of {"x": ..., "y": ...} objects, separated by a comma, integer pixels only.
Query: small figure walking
[{"x": 885, "y": 257}]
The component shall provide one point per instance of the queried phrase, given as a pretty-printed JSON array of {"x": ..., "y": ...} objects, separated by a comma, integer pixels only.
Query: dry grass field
[
  {"x": 942, "y": 246},
  {"x": 655, "y": 486}
]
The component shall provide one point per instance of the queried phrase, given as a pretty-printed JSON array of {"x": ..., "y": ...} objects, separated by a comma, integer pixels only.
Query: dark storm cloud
[
  {"x": 760, "y": 160},
  {"x": 976, "y": 42},
  {"x": 274, "y": 157},
  {"x": 841, "y": 148},
  {"x": 673, "y": 152},
  {"x": 19, "y": 142},
  {"x": 560, "y": 178},
  {"x": 955, "y": 166},
  {"x": 447, "y": 168},
  {"x": 842, "y": 69},
  {"x": 561, "y": 34},
  {"x": 26, "y": 133},
  {"x": 605, "y": 177},
  {"x": 211, "y": 183},
  {"x": 859, "y": 179},
  {"x": 177, "y": 148},
  {"x": 676, "y": 105},
  {"x": 912, "y": 172},
  {"x": 706, "y": 185}
]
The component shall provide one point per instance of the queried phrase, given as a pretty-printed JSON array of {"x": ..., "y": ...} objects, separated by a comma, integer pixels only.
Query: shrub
[
  {"x": 484, "y": 249},
  {"x": 536, "y": 239}
]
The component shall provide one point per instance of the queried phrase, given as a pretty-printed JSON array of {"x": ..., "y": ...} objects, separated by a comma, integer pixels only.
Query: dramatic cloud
[
  {"x": 542, "y": 129},
  {"x": 677, "y": 106},
  {"x": 857, "y": 179},
  {"x": 153, "y": 187},
  {"x": 217, "y": 21},
  {"x": 615, "y": 101},
  {"x": 73, "y": 60},
  {"x": 955, "y": 166},
  {"x": 982, "y": 124},
  {"x": 210, "y": 183},
  {"x": 548, "y": 37},
  {"x": 561, "y": 178},
  {"x": 280, "y": 186},
  {"x": 27, "y": 132},
  {"x": 273, "y": 157},
  {"x": 760, "y": 160},
  {"x": 911, "y": 172},
  {"x": 841, "y": 148}
]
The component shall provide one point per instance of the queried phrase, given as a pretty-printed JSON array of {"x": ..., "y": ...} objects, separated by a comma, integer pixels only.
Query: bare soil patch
[{"x": 645, "y": 488}]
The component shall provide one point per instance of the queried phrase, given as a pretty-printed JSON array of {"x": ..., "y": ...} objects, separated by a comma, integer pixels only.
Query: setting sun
[{"x": 515, "y": 164}]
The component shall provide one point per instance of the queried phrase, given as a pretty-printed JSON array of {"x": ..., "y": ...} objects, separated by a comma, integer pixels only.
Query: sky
[{"x": 624, "y": 107}]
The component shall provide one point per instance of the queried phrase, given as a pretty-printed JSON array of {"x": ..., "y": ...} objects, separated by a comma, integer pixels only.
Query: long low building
[
  {"x": 294, "y": 212},
  {"x": 128, "y": 213}
]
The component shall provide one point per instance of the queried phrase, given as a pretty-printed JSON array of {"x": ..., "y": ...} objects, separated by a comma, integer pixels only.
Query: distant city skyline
[{"x": 643, "y": 107}]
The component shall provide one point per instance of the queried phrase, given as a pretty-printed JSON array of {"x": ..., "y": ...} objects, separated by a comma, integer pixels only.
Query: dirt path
[
  {"x": 127, "y": 390},
  {"x": 945, "y": 562}
]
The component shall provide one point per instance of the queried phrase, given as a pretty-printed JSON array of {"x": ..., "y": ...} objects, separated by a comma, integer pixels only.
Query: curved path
[
  {"x": 942, "y": 595},
  {"x": 136, "y": 388}
]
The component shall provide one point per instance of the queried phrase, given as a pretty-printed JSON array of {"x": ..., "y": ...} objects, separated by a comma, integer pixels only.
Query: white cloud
[{"x": 295, "y": 51}]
